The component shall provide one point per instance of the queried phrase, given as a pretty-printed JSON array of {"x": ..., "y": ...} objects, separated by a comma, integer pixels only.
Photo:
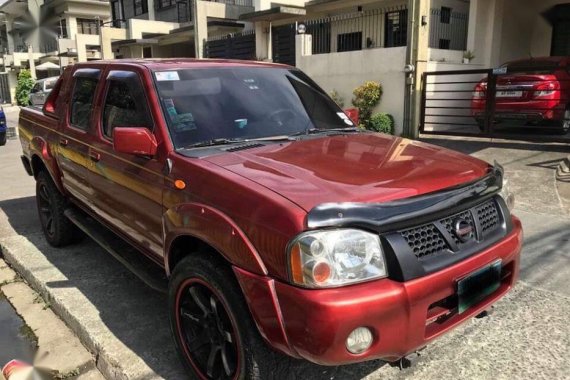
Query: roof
[{"x": 182, "y": 63}]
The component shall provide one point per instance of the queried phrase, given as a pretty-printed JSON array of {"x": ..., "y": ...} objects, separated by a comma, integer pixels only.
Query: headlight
[
  {"x": 507, "y": 195},
  {"x": 321, "y": 259}
]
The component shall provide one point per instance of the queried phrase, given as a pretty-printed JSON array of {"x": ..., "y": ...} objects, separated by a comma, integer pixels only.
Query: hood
[{"x": 352, "y": 168}]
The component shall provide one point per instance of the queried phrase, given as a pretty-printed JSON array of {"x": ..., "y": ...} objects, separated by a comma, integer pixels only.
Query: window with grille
[
  {"x": 164, "y": 3},
  {"x": 444, "y": 43},
  {"x": 349, "y": 41},
  {"x": 141, "y": 7},
  {"x": 87, "y": 26},
  {"x": 396, "y": 28},
  {"x": 445, "y": 15}
]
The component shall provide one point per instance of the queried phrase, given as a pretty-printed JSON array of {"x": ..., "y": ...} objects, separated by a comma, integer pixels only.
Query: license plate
[
  {"x": 509, "y": 94},
  {"x": 478, "y": 285}
]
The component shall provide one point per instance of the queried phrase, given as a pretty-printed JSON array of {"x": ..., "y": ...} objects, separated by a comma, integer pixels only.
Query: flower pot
[{"x": 466, "y": 60}]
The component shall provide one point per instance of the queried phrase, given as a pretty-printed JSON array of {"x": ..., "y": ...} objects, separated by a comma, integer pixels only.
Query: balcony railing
[{"x": 448, "y": 30}]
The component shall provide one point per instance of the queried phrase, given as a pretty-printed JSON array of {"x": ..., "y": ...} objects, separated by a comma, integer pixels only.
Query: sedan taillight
[
  {"x": 545, "y": 89},
  {"x": 480, "y": 89}
]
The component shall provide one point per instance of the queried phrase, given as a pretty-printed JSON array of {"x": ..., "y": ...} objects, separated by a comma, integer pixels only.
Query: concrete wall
[
  {"x": 443, "y": 55},
  {"x": 525, "y": 32},
  {"x": 343, "y": 72}
]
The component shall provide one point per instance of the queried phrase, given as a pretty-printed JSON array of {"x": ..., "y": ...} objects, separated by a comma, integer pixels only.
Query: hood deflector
[{"x": 383, "y": 217}]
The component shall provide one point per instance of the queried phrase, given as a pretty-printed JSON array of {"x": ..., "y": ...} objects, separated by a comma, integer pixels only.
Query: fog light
[{"x": 359, "y": 340}]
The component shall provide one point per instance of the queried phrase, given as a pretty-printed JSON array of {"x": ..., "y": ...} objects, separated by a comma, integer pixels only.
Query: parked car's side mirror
[{"x": 134, "y": 140}]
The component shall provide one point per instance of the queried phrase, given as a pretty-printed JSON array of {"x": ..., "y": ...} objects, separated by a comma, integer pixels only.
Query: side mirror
[
  {"x": 354, "y": 115},
  {"x": 134, "y": 140}
]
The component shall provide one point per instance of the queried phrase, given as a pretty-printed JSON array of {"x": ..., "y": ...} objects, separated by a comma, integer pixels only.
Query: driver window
[{"x": 125, "y": 106}]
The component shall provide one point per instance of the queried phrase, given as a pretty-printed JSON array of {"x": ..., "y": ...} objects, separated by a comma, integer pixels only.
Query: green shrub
[
  {"x": 337, "y": 98},
  {"x": 366, "y": 98},
  {"x": 382, "y": 122},
  {"x": 25, "y": 84}
]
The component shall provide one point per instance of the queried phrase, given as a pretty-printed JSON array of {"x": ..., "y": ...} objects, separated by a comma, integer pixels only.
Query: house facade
[{"x": 34, "y": 33}]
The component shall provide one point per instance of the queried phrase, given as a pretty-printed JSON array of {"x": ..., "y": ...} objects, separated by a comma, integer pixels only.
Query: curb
[
  {"x": 108, "y": 367},
  {"x": 563, "y": 170}
]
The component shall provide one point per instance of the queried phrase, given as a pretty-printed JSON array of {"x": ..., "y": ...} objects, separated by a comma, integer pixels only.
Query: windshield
[{"x": 243, "y": 103}]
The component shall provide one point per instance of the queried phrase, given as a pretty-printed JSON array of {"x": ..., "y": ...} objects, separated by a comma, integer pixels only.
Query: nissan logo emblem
[{"x": 463, "y": 230}]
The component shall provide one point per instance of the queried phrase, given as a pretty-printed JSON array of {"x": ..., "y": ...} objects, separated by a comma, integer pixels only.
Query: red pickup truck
[{"x": 283, "y": 229}]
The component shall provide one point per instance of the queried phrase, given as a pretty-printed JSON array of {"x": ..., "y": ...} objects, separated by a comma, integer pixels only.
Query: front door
[{"x": 127, "y": 189}]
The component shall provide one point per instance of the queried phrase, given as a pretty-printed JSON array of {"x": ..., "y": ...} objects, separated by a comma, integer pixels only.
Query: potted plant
[{"x": 468, "y": 56}]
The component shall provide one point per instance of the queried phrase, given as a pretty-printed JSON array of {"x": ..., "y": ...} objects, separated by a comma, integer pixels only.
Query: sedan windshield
[{"x": 206, "y": 106}]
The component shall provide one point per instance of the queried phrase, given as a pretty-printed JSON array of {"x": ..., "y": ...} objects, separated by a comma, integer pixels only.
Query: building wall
[
  {"x": 525, "y": 32},
  {"x": 343, "y": 72}
]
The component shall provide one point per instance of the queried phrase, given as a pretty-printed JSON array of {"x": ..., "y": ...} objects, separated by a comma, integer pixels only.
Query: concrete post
[
  {"x": 151, "y": 13},
  {"x": 105, "y": 43},
  {"x": 303, "y": 46},
  {"x": 31, "y": 61},
  {"x": 9, "y": 36},
  {"x": 262, "y": 40},
  {"x": 419, "y": 56},
  {"x": 200, "y": 18},
  {"x": 81, "y": 48}
]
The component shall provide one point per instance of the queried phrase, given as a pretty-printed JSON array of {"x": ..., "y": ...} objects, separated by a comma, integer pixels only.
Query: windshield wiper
[
  {"x": 316, "y": 131},
  {"x": 215, "y": 142}
]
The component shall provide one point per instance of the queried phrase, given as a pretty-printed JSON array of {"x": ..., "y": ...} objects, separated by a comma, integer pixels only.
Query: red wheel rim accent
[{"x": 207, "y": 331}]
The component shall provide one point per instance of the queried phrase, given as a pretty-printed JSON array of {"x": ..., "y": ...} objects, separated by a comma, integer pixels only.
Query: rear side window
[
  {"x": 125, "y": 106},
  {"x": 82, "y": 102}
]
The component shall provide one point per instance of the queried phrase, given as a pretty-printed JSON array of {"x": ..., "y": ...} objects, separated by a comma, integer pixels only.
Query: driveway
[{"x": 125, "y": 324}]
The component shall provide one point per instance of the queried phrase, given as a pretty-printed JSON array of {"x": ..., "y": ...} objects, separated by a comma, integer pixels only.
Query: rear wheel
[
  {"x": 2, "y": 139},
  {"x": 214, "y": 332},
  {"x": 565, "y": 122},
  {"x": 58, "y": 230}
]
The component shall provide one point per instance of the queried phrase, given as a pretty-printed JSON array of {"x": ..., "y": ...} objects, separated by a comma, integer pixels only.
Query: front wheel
[{"x": 213, "y": 330}]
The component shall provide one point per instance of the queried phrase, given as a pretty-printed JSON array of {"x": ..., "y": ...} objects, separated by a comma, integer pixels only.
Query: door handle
[
  {"x": 63, "y": 142},
  {"x": 95, "y": 156}
]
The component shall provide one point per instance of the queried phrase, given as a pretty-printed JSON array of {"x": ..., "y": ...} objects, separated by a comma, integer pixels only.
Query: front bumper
[{"x": 404, "y": 316}]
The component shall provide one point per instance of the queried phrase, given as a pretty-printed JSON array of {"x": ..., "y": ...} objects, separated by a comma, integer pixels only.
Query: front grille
[
  {"x": 428, "y": 240},
  {"x": 425, "y": 240},
  {"x": 488, "y": 216}
]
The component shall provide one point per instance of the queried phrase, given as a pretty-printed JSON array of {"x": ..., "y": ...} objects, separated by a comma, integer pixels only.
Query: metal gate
[
  {"x": 283, "y": 44},
  {"x": 231, "y": 46},
  {"x": 5, "y": 96},
  {"x": 528, "y": 100}
]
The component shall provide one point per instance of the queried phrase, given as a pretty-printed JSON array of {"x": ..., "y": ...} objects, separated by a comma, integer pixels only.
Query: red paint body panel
[
  {"x": 354, "y": 168},
  {"x": 317, "y": 322}
]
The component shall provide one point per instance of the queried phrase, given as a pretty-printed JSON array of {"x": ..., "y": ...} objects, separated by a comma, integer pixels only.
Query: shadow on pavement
[{"x": 134, "y": 314}]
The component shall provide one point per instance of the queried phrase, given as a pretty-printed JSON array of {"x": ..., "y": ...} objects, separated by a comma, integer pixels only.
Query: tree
[{"x": 23, "y": 88}]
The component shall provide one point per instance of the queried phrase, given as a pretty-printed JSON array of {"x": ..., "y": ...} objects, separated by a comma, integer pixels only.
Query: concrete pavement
[{"x": 125, "y": 324}]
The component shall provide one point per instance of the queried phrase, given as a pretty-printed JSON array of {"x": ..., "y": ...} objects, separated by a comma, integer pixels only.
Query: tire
[
  {"x": 565, "y": 122},
  {"x": 58, "y": 230},
  {"x": 481, "y": 124},
  {"x": 2, "y": 139},
  {"x": 195, "y": 280}
]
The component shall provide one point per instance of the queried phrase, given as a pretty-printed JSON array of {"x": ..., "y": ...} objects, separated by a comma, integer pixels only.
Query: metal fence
[
  {"x": 231, "y": 46},
  {"x": 357, "y": 31},
  {"x": 530, "y": 103},
  {"x": 448, "y": 30}
]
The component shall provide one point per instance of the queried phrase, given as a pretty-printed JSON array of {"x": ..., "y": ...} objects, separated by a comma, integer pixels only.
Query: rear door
[
  {"x": 73, "y": 157},
  {"x": 127, "y": 189}
]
